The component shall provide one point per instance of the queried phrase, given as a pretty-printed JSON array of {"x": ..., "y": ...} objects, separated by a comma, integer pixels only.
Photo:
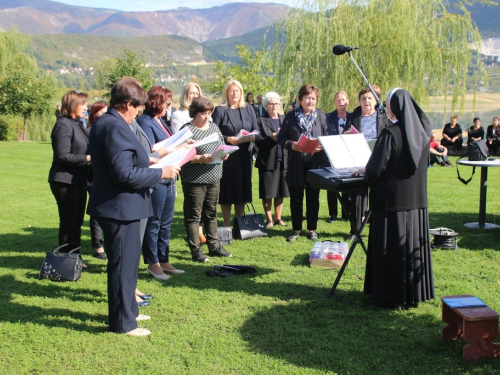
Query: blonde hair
[
  {"x": 340, "y": 92},
  {"x": 184, "y": 101},
  {"x": 241, "y": 103}
]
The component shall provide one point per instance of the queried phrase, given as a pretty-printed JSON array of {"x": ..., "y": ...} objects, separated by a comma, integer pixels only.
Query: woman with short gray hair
[{"x": 271, "y": 160}]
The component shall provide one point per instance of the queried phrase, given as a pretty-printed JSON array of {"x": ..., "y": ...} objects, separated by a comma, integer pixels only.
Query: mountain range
[
  {"x": 66, "y": 35},
  {"x": 220, "y": 22}
]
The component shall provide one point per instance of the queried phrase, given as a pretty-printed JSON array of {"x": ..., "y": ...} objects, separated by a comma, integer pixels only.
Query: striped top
[{"x": 201, "y": 173}]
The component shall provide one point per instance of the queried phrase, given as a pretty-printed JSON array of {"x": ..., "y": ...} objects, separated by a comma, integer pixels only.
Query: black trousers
[
  {"x": 297, "y": 206},
  {"x": 95, "y": 230},
  {"x": 71, "y": 202},
  {"x": 122, "y": 244},
  {"x": 200, "y": 206}
]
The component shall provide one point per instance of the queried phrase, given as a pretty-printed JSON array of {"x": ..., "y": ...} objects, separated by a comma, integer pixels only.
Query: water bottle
[{"x": 343, "y": 249}]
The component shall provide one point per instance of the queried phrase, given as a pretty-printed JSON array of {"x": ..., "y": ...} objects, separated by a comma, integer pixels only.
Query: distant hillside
[
  {"x": 54, "y": 51},
  {"x": 486, "y": 17},
  {"x": 49, "y": 17}
]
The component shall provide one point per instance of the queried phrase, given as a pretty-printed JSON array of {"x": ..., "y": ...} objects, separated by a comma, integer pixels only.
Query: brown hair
[
  {"x": 199, "y": 105},
  {"x": 157, "y": 96},
  {"x": 71, "y": 100},
  {"x": 127, "y": 89},
  {"x": 96, "y": 107},
  {"x": 367, "y": 90},
  {"x": 307, "y": 90}
]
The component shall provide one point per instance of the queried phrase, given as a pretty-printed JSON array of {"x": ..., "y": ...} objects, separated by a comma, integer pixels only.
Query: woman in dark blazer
[
  {"x": 307, "y": 120},
  {"x": 120, "y": 198},
  {"x": 271, "y": 160},
  {"x": 232, "y": 116},
  {"x": 70, "y": 167},
  {"x": 156, "y": 243}
]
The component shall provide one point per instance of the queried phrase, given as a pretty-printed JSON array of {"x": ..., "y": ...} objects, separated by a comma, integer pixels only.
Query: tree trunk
[{"x": 24, "y": 128}]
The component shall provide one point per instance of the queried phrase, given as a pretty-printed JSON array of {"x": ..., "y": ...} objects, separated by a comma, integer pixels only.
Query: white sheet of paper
[
  {"x": 175, "y": 140},
  {"x": 346, "y": 150},
  {"x": 175, "y": 158}
]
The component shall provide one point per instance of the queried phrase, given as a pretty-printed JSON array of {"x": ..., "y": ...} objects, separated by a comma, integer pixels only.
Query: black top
[
  {"x": 69, "y": 145},
  {"x": 392, "y": 186},
  {"x": 475, "y": 133},
  {"x": 452, "y": 132},
  {"x": 290, "y": 132},
  {"x": 269, "y": 150},
  {"x": 491, "y": 133}
]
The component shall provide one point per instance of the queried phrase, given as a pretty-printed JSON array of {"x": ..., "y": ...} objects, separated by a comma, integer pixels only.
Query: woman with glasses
[
  {"x": 271, "y": 160},
  {"x": 155, "y": 246}
]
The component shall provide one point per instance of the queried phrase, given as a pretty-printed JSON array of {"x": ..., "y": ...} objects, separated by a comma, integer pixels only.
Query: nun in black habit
[{"x": 398, "y": 267}]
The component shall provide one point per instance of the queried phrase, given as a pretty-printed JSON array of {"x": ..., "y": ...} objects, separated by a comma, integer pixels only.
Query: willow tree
[
  {"x": 415, "y": 44},
  {"x": 12, "y": 53}
]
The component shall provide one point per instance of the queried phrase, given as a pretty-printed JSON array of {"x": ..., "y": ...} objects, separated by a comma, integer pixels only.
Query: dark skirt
[
  {"x": 398, "y": 266},
  {"x": 272, "y": 184},
  {"x": 236, "y": 182}
]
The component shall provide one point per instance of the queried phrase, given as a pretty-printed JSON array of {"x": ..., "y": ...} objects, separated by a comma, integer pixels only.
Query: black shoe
[
  {"x": 313, "y": 236},
  {"x": 332, "y": 219},
  {"x": 198, "y": 256},
  {"x": 220, "y": 252},
  {"x": 293, "y": 236},
  {"x": 144, "y": 296},
  {"x": 143, "y": 303},
  {"x": 100, "y": 255}
]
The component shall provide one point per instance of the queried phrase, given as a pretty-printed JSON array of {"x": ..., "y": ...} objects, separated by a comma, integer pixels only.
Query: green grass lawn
[{"x": 279, "y": 321}]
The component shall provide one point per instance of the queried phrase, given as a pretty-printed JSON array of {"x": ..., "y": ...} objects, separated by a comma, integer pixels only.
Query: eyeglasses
[{"x": 273, "y": 104}]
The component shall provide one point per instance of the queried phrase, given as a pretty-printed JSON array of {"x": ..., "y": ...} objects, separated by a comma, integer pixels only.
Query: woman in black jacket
[
  {"x": 311, "y": 122},
  {"x": 271, "y": 160},
  {"x": 70, "y": 167}
]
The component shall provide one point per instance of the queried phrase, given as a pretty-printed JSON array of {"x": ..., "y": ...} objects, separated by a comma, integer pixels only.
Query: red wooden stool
[{"x": 478, "y": 326}]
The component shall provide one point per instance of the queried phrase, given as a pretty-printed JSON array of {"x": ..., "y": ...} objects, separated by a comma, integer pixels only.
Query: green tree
[
  {"x": 253, "y": 72},
  {"x": 26, "y": 95},
  {"x": 414, "y": 44},
  {"x": 12, "y": 47},
  {"x": 129, "y": 65}
]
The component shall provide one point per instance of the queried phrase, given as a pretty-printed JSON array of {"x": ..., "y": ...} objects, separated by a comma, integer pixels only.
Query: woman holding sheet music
[
  {"x": 398, "y": 266},
  {"x": 201, "y": 183},
  {"x": 156, "y": 243},
  {"x": 232, "y": 116},
  {"x": 306, "y": 120}
]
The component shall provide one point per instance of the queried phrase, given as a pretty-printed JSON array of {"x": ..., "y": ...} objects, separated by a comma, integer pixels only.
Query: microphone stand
[{"x": 380, "y": 106}]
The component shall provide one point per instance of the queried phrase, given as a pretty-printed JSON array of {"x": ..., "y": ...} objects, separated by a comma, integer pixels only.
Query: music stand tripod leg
[{"x": 353, "y": 245}]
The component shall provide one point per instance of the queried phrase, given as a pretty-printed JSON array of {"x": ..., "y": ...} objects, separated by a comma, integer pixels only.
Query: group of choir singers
[{"x": 132, "y": 202}]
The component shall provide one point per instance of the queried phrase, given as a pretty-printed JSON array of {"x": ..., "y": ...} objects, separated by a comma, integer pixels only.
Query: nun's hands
[{"x": 359, "y": 172}]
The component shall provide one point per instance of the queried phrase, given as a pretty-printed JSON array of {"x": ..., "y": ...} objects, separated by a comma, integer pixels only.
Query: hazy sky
[{"x": 151, "y": 5}]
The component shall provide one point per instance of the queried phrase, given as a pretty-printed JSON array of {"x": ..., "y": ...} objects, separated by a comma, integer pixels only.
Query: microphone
[{"x": 340, "y": 49}]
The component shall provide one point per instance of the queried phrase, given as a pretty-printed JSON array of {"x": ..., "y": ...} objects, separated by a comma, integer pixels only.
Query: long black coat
[
  {"x": 267, "y": 158},
  {"x": 290, "y": 132}
]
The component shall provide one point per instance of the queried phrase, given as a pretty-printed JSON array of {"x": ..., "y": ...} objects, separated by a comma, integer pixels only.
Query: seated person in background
[
  {"x": 476, "y": 131},
  {"x": 438, "y": 153},
  {"x": 452, "y": 135},
  {"x": 493, "y": 136}
]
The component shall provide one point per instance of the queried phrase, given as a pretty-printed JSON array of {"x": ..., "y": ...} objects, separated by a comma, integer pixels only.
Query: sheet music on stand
[{"x": 347, "y": 151}]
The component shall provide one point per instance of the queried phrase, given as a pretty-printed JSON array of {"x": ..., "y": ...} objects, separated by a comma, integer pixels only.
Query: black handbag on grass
[
  {"x": 225, "y": 235},
  {"x": 249, "y": 226},
  {"x": 62, "y": 264}
]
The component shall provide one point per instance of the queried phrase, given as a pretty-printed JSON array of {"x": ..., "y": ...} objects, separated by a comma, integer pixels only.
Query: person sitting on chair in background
[
  {"x": 438, "y": 153},
  {"x": 493, "y": 136},
  {"x": 452, "y": 135},
  {"x": 476, "y": 131}
]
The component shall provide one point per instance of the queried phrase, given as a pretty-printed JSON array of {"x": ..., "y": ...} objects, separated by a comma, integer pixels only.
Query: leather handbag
[
  {"x": 249, "y": 226},
  {"x": 62, "y": 264},
  {"x": 225, "y": 235},
  {"x": 478, "y": 150}
]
